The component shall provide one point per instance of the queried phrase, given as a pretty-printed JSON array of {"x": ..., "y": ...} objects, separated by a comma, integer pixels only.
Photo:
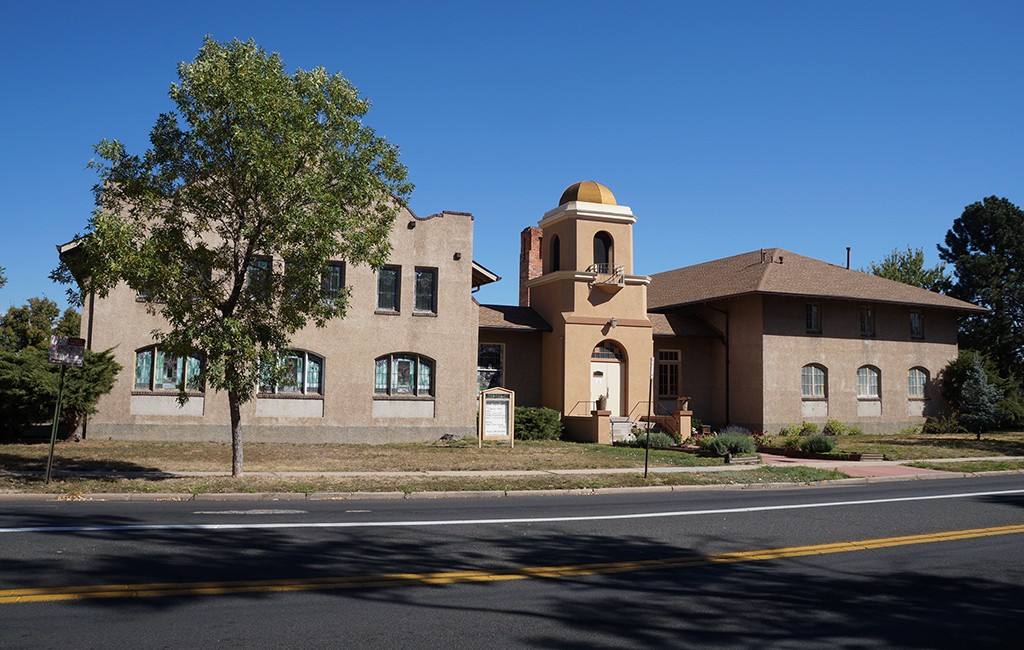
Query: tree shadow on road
[{"x": 748, "y": 604}]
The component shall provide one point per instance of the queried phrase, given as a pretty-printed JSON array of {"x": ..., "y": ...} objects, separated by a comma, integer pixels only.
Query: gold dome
[{"x": 589, "y": 191}]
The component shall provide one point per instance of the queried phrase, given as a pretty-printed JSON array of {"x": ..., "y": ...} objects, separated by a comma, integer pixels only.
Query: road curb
[{"x": 149, "y": 497}]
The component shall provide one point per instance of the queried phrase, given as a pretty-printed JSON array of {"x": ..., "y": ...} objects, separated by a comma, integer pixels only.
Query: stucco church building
[{"x": 762, "y": 339}]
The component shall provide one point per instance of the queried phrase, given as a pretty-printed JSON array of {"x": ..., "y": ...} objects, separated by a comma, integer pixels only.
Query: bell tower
[{"x": 600, "y": 348}]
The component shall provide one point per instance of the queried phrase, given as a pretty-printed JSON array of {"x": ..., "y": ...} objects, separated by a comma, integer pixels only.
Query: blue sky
[{"x": 726, "y": 126}]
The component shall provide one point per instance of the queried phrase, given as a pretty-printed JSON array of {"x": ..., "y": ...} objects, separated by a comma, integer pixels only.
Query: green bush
[
  {"x": 537, "y": 423},
  {"x": 731, "y": 442},
  {"x": 836, "y": 428},
  {"x": 658, "y": 439},
  {"x": 943, "y": 424},
  {"x": 802, "y": 429},
  {"x": 817, "y": 444},
  {"x": 790, "y": 441}
]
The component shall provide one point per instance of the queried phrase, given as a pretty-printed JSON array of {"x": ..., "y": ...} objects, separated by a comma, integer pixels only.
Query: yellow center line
[{"x": 165, "y": 589}]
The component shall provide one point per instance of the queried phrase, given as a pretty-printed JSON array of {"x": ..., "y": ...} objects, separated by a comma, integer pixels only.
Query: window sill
[
  {"x": 427, "y": 314},
  {"x": 404, "y": 398},
  {"x": 919, "y": 399},
  {"x": 387, "y": 312},
  {"x": 318, "y": 396},
  {"x": 166, "y": 393},
  {"x": 814, "y": 399},
  {"x": 868, "y": 399}
]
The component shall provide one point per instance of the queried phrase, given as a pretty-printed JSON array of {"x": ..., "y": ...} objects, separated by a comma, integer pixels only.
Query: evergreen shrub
[{"x": 537, "y": 423}]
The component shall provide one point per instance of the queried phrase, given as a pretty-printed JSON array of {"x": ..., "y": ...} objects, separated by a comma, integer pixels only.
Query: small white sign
[
  {"x": 67, "y": 351},
  {"x": 496, "y": 416}
]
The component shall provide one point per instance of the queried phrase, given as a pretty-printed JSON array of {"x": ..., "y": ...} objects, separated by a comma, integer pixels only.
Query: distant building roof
[
  {"x": 681, "y": 325},
  {"x": 510, "y": 317},
  {"x": 776, "y": 271}
]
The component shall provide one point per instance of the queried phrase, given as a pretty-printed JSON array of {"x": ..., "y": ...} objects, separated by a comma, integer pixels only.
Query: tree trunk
[{"x": 236, "y": 433}]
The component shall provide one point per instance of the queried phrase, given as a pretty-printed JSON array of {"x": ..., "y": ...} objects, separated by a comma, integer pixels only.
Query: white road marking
[
  {"x": 264, "y": 511},
  {"x": 476, "y": 522}
]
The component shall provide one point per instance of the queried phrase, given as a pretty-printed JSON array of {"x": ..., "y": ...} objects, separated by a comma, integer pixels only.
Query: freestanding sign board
[
  {"x": 66, "y": 351},
  {"x": 497, "y": 415}
]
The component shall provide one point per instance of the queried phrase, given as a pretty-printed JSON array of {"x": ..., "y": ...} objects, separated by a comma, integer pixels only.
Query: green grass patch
[{"x": 971, "y": 466}]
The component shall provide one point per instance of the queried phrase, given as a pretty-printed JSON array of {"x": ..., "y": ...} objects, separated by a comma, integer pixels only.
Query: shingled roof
[
  {"x": 681, "y": 325},
  {"x": 510, "y": 317},
  {"x": 775, "y": 271}
]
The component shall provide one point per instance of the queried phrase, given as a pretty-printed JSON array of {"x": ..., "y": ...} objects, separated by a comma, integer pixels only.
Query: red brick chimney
[{"x": 530, "y": 263}]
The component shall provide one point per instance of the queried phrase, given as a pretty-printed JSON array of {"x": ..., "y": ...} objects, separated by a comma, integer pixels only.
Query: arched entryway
[{"x": 608, "y": 376}]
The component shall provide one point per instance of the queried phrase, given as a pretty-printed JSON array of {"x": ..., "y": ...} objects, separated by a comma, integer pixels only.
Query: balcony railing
[{"x": 607, "y": 276}]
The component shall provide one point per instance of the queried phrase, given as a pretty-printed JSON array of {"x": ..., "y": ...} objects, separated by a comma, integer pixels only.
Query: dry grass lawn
[
  {"x": 937, "y": 445},
  {"x": 110, "y": 455}
]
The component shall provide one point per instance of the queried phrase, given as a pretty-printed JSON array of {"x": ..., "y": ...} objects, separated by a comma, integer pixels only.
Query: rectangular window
[
  {"x": 867, "y": 382},
  {"x": 867, "y": 321},
  {"x": 916, "y": 325},
  {"x": 490, "y": 365},
  {"x": 668, "y": 374},
  {"x": 333, "y": 280},
  {"x": 297, "y": 372},
  {"x": 389, "y": 285},
  {"x": 426, "y": 291},
  {"x": 812, "y": 382},
  {"x": 168, "y": 371},
  {"x": 157, "y": 371},
  {"x": 917, "y": 380},
  {"x": 403, "y": 375},
  {"x": 813, "y": 318},
  {"x": 144, "y": 369},
  {"x": 257, "y": 275}
]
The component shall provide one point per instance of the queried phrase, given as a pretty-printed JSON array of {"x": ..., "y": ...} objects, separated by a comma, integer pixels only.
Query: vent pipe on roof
[
  {"x": 847, "y": 257},
  {"x": 762, "y": 256}
]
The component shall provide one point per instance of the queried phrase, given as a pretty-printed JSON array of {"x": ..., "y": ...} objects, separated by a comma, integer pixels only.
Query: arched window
[
  {"x": 156, "y": 371},
  {"x": 608, "y": 351},
  {"x": 404, "y": 374},
  {"x": 917, "y": 383},
  {"x": 298, "y": 372},
  {"x": 869, "y": 382},
  {"x": 603, "y": 250},
  {"x": 556, "y": 254},
  {"x": 813, "y": 382}
]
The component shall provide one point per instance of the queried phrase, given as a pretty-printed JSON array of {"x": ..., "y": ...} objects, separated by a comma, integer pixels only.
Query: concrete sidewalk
[{"x": 876, "y": 468}]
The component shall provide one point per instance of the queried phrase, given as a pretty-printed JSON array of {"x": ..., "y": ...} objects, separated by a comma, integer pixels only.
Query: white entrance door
[{"x": 606, "y": 381}]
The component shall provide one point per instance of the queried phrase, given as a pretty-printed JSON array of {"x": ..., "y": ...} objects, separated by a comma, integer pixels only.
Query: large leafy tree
[
  {"x": 254, "y": 182},
  {"x": 908, "y": 267},
  {"x": 31, "y": 325},
  {"x": 986, "y": 248}
]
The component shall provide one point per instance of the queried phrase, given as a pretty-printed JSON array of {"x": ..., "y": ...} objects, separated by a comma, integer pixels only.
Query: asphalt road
[{"x": 919, "y": 564}]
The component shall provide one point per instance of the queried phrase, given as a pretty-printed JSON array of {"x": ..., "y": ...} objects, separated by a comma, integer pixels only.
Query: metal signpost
[
  {"x": 65, "y": 351},
  {"x": 650, "y": 403}
]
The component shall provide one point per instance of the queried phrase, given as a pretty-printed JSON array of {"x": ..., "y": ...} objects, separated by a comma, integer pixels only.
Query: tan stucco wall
[
  {"x": 746, "y": 371},
  {"x": 701, "y": 376},
  {"x": 349, "y": 347},
  {"x": 522, "y": 371},
  {"x": 842, "y": 350}
]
